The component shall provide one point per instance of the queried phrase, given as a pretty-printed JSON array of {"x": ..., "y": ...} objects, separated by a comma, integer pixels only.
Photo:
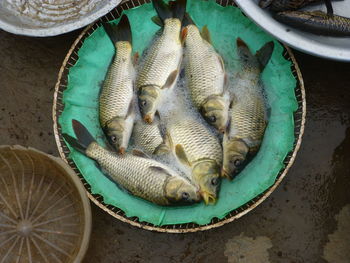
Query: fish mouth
[
  {"x": 121, "y": 150},
  {"x": 209, "y": 199},
  {"x": 226, "y": 174},
  {"x": 148, "y": 118}
]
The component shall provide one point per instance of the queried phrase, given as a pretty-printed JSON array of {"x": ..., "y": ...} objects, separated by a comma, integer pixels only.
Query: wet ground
[{"x": 307, "y": 219}]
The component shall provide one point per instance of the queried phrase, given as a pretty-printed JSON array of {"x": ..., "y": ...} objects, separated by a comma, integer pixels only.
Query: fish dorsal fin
[
  {"x": 139, "y": 153},
  {"x": 206, "y": 34},
  {"x": 159, "y": 170},
  {"x": 157, "y": 21},
  {"x": 263, "y": 55},
  {"x": 181, "y": 155},
  {"x": 171, "y": 79}
]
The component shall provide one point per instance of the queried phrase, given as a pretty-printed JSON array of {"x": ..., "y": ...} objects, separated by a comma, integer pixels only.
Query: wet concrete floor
[{"x": 307, "y": 219}]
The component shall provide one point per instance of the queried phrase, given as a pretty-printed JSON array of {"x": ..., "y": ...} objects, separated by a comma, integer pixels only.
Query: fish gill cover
[{"x": 225, "y": 25}]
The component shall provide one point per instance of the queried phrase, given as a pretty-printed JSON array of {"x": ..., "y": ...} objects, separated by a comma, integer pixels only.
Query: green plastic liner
[{"x": 225, "y": 25}]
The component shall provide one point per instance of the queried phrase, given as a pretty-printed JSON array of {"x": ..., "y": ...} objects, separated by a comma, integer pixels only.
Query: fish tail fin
[
  {"x": 263, "y": 55},
  {"x": 187, "y": 20},
  {"x": 243, "y": 51},
  {"x": 175, "y": 9},
  {"x": 179, "y": 9},
  {"x": 84, "y": 138},
  {"x": 265, "y": 3},
  {"x": 119, "y": 32}
]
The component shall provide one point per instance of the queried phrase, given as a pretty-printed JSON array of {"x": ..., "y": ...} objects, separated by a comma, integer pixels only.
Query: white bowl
[
  {"x": 337, "y": 48},
  {"x": 63, "y": 13}
]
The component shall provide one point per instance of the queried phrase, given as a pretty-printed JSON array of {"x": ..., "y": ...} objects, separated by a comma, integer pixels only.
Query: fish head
[
  {"x": 207, "y": 175},
  {"x": 179, "y": 190},
  {"x": 265, "y": 3},
  {"x": 234, "y": 159},
  {"x": 115, "y": 133},
  {"x": 148, "y": 102},
  {"x": 215, "y": 111}
]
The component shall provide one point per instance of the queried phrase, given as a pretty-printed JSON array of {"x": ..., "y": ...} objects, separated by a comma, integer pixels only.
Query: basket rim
[{"x": 164, "y": 229}]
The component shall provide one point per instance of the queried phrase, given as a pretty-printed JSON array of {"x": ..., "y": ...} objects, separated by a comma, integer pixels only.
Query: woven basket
[{"x": 58, "y": 106}]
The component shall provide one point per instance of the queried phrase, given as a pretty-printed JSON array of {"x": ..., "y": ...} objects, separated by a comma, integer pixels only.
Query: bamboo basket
[{"x": 58, "y": 106}]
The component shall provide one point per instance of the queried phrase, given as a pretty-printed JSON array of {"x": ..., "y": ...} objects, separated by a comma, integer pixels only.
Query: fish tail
[
  {"x": 187, "y": 20},
  {"x": 175, "y": 9},
  {"x": 83, "y": 140},
  {"x": 119, "y": 32},
  {"x": 263, "y": 55}
]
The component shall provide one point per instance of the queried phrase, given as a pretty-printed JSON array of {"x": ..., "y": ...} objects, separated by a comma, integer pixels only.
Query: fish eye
[
  {"x": 214, "y": 181},
  {"x": 113, "y": 138},
  {"x": 237, "y": 162},
  {"x": 185, "y": 196},
  {"x": 143, "y": 103},
  {"x": 212, "y": 119}
]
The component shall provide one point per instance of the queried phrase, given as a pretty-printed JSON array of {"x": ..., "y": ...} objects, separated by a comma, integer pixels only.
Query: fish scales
[
  {"x": 117, "y": 90},
  {"x": 282, "y": 5},
  {"x": 204, "y": 70},
  {"x": 198, "y": 142},
  {"x": 163, "y": 57},
  {"x": 147, "y": 136},
  {"x": 248, "y": 121},
  {"x": 132, "y": 172}
]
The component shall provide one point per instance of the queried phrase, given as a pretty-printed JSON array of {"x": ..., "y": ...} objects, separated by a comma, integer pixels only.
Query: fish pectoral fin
[
  {"x": 131, "y": 109},
  {"x": 263, "y": 55},
  {"x": 157, "y": 21},
  {"x": 206, "y": 34},
  {"x": 159, "y": 170},
  {"x": 222, "y": 63},
  {"x": 181, "y": 155},
  {"x": 140, "y": 153},
  {"x": 225, "y": 81},
  {"x": 171, "y": 79},
  {"x": 183, "y": 36},
  {"x": 136, "y": 58},
  {"x": 228, "y": 127}
]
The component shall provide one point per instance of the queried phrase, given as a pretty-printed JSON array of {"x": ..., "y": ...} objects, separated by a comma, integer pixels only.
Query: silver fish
[
  {"x": 205, "y": 72},
  {"x": 248, "y": 116},
  {"x": 160, "y": 67},
  {"x": 116, "y": 98},
  {"x": 141, "y": 176},
  {"x": 196, "y": 147}
]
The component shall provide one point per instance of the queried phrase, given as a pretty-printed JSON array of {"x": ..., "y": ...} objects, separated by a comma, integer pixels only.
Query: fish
[
  {"x": 248, "y": 110},
  {"x": 287, "y": 5},
  {"x": 116, "y": 100},
  {"x": 197, "y": 148},
  {"x": 160, "y": 67},
  {"x": 316, "y": 22},
  {"x": 136, "y": 173},
  {"x": 148, "y": 137},
  {"x": 206, "y": 77}
]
